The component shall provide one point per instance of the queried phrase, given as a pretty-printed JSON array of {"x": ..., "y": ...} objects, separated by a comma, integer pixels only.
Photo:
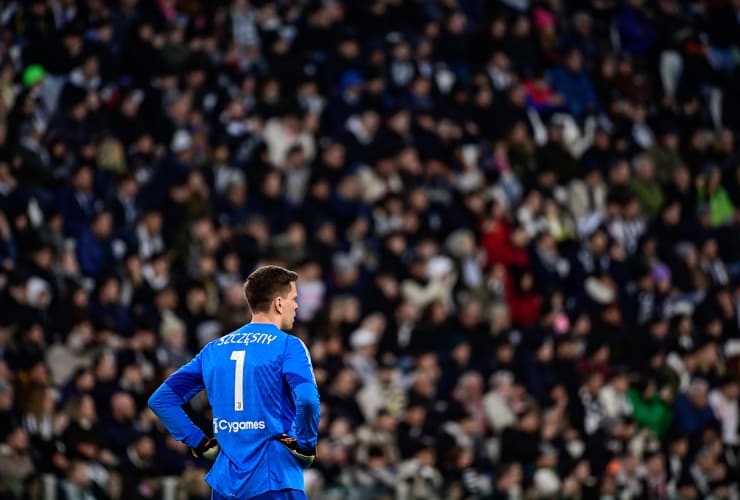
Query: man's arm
[
  {"x": 167, "y": 401},
  {"x": 298, "y": 373}
]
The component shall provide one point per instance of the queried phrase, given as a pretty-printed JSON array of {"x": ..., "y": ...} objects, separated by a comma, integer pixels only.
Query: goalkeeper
[{"x": 260, "y": 384}]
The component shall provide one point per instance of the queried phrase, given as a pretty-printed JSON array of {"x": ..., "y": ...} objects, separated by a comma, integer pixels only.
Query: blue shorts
[{"x": 270, "y": 495}]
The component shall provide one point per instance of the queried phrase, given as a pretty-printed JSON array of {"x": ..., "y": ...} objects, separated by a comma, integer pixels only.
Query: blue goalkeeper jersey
[{"x": 260, "y": 384}]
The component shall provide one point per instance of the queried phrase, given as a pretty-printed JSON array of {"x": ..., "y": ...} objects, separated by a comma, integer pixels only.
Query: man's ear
[{"x": 278, "y": 303}]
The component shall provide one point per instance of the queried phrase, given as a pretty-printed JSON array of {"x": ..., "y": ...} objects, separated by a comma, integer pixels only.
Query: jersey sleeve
[
  {"x": 298, "y": 373},
  {"x": 167, "y": 401}
]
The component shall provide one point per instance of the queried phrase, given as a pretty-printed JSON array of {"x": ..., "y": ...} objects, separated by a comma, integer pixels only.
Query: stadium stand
[{"x": 515, "y": 221}]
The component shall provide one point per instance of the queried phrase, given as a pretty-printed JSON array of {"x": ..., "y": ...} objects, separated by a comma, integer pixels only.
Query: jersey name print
[{"x": 246, "y": 338}]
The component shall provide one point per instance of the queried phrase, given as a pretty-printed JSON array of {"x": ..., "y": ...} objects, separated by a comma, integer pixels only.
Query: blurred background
[{"x": 515, "y": 222}]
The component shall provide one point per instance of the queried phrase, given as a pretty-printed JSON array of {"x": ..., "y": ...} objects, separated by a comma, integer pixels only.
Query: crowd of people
[{"x": 515, "y": 224}]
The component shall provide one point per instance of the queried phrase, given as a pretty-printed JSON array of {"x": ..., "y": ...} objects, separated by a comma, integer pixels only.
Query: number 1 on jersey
[{"x": 238, "y": 356}]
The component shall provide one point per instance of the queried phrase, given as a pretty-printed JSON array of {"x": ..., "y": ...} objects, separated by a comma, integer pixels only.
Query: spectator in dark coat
[
  {"x": 96, "y": 252},
  {"x": 573, "y": 83},
  {"x": 692, "y": 412}
]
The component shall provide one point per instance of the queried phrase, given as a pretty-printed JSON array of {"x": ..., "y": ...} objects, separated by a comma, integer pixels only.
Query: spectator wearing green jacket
[
  {"x": 711, "y": 192},
  {"x": 646, "y": 186},
  {"x": 648, "y": 408}
]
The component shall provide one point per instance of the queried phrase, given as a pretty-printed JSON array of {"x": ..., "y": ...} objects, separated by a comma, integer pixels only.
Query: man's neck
[{"x": 268, "y": 318}]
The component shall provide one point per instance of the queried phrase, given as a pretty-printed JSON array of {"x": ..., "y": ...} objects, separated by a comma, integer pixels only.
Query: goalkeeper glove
[
  {"x": 306, "y": 457},
  {"x": 208, "y": 449}
]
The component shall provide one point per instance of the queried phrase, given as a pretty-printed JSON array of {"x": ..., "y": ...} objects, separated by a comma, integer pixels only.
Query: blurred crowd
[{"x": 515, "y": 224}]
